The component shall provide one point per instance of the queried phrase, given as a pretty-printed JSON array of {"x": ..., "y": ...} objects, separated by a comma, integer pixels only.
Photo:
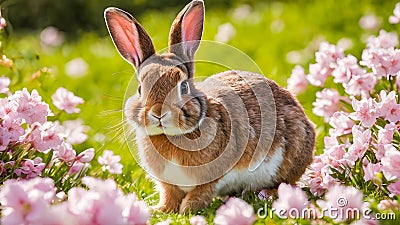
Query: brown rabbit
[{"x": 234, "y": 131}]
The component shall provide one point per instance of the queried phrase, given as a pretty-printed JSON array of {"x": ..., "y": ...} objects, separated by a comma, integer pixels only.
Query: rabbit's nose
[
  {"x": 157, "y": 116},
  {"x": 156, "y": 113}
]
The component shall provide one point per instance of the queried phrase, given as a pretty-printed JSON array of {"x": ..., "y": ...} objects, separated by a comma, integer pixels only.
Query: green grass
[{"x": 104, "y": 87}]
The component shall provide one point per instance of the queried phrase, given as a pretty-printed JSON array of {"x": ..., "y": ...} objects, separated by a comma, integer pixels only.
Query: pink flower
[
  {"x": 104, "y": 203},
  {"x": 65, "y": 153},
  {"x": 314, "y": 170},
  {"x": 330, "y": 142},
  {"x": 361, "y": 142},
  {"x": 384, "y": 40},
  {"x": 98, "y": 205},
  {"x": 389, "y": 109},
  {"x": 25, "y": 201},
  {"x": 290, "y": 198},
  {"x": 328, "y": 54},
  {"x": 74, "y": 131},
  {"x": 382, "y": 149},
  {"x": 82, "y": 161},
  {"x": 6, "y": 109},
  {"x": 316, "y": 187},
  {"x": 334, "y": 156},
  {"x": 4, "y": 83},
  {"x": 139, "y": 212},
  {"x": 365, "y": 111},
  {"x": 318, "y": 176},
  {"x": 77, "y": 167},
  {"x": 371, "y": 170},
  {"x": 391, "y": 164},
  {"x": 327, "y": 103},
  {"x": 318, "y": 74},
  {"x": 394, "y": 188},
  {"x": 395, "y": 18},
  {"x": 110, "y": 162},
  {"x": 385, "y": 136},
  {"x": 327, "y": 179},
  {"x": 46, "y": 136},
  {"x": 30, "y": 106},
  {"x": 343, "y": 200},
  {"x": 298, "y": 81},
  {"x": 360, "y": 84},
  {"x": 66, "y": 100},
  {"x": 11, "y": 120},
  {"x": 107, "y": 187},
  {"x": 326, "y": 59},
  {"x": 198, "y": 220},
  {"x": 44, "y": 185},
  {"x": 5, "y": 138},
  {"x": 235, "y": 211},
  {"x": 341, "y": 123},
  {"x": 57, "y": 215},
  {"x": 11, "y": 124},
  {"x": 86, "y": 156},
  {"x": 346, "y": 68},
  {"x": 31, "y": 168},
  {"x": 384, "y": 62}
]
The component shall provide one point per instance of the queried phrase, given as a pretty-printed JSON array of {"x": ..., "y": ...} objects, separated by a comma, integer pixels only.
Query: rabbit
[{"x": 232, "y": 132}]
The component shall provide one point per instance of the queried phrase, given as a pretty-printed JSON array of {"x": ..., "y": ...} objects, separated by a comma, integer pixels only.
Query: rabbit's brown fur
[{"x": 201, "y": 143}]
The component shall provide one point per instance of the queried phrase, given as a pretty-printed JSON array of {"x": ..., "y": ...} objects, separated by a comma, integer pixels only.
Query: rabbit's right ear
[
  {"x": 129, "y": 37},
  {"x": 187, "y": 29}
]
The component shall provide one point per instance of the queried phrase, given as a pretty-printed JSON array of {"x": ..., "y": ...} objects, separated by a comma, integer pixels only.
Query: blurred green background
[{"x": 65, "y": 43}]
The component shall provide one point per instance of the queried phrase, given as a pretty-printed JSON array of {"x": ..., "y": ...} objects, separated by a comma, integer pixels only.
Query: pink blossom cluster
[
  {"x": 35, "y": 201},
  {"x": 360, "y": 101},
  {"x": 352, "y": 135},
  {"x": 110, "y": 162},
  {"x": 235, "y": 211},
  {"x": 380, "y": 56},
  {"x": 24, "y": 129}
]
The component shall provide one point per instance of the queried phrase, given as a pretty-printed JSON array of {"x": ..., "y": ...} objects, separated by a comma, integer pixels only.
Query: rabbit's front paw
[
  {"x": 165, "y": 208},
  {"x": 192, "y": 206}
]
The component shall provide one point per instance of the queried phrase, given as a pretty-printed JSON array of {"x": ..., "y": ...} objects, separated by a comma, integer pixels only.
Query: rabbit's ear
[
  {"x": 186, "y": 30},
  {"x": 129, "y": 37}
]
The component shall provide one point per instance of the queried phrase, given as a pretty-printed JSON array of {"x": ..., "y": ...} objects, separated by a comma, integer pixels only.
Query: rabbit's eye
[
  {"x": 139, "y": 89},
  {"x": 184, "y": 88}
]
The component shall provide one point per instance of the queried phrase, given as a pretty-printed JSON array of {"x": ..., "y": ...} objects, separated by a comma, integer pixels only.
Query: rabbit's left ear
[
  {"x": 186, "y": 30},
  {"x": 129, "y": 37}
]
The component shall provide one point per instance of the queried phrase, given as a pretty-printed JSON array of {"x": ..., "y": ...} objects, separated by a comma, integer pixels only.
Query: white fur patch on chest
[
  {"x": 238, "y": 180},
  {"x": 175, "y": 174}
]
